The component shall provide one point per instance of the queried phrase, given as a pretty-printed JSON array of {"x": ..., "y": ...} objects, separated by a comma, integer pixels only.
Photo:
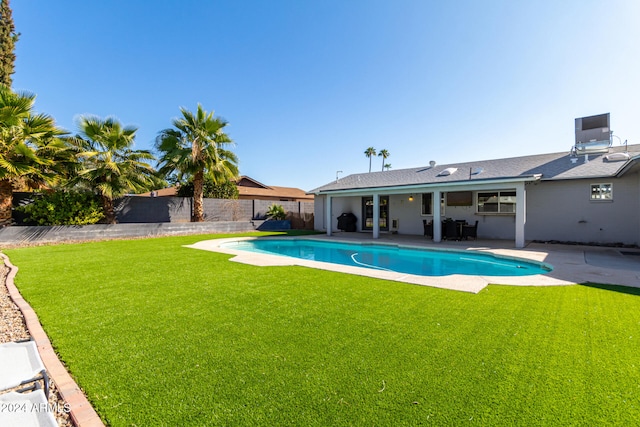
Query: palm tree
[
  {"x": 31, "y": 149},
  {"x": 384, "y": 154},
  {"x": 195, "y": 148},
  {"x": 370, "y": 152},
  {"x": 108, "y": 164},
  {"x": 387, "y": 166}
]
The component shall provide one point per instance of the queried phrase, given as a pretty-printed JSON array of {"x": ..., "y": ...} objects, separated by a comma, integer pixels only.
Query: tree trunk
[
  {"x": 198, "y": 190},
  {"x": 107, "y": 207},
  {"x": 6, "y": 202}
]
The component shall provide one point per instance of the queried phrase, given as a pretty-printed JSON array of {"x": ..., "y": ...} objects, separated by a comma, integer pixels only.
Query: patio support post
[
  {"x": 521, "y": 217},
  {"x": 437, "y": 221},
  {"x": 376, "y": 216},
  {"x": 327, "y": 215}
]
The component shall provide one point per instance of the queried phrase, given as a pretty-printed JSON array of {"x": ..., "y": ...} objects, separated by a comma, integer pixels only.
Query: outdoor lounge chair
[
  {"x": 470, "y": 231},
  {"x": 21, "y": 365},
  {"x": 26, "y": 409}
]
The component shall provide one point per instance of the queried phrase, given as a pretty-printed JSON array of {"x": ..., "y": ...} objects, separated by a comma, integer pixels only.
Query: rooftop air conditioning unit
[{"x": 593, "y": 134}]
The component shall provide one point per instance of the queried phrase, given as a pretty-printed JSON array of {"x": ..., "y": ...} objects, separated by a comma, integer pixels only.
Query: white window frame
[
  {"x": 422, "y": 213},
  {"x": 499, "y": 196},
  {"x": 604, "y": 193},
  {"x": 442, "y": 204}
]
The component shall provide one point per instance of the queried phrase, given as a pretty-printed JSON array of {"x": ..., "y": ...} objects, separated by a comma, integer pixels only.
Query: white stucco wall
[{"x": 339, "y": 205}]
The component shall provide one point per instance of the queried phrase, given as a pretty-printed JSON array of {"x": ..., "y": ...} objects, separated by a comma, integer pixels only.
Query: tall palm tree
[
  {"x": 31, "y": 149},
  {"x": 370, "y": 152},
  {"x": 108, "y": 164},
  {"x": 195, "y": 147},
  {"x": 384, "y": 154}
]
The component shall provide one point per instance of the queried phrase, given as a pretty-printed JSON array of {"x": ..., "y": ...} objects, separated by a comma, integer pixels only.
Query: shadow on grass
[{"x": 615, "y": 288}]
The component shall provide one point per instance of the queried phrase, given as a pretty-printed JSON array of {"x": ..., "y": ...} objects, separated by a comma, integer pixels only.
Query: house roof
[
  {"x": 546, "y": 167},
  {"x": 273, "y": 191},
  {"x": 163, "y": 192},
  {"x": 249, "y": 187}
]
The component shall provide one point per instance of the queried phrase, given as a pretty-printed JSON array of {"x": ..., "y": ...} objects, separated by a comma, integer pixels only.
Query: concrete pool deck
[{"x": 571, "y": 264}]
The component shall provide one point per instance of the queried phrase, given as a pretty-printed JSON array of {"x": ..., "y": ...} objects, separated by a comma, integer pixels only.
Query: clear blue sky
[{"x": 308, "y": 85}]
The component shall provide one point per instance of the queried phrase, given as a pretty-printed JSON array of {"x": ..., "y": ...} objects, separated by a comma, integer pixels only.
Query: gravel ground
[{"x": 12, "y": 328}]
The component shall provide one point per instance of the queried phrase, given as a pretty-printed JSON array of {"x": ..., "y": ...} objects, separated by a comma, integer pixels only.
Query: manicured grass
[{"x": 159, "y": 334}]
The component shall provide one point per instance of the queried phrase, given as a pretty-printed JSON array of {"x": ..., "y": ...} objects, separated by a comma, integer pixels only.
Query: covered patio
[{"x": 407, "y": 208}]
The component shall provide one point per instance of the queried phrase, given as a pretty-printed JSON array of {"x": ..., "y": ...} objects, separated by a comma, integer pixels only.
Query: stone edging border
[{"x": 81, "y": 412}]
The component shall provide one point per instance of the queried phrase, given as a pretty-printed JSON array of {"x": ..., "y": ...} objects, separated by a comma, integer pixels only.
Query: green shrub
[
  {"x": 63, "y": 208},
  {"x": 276, "y": 212}
]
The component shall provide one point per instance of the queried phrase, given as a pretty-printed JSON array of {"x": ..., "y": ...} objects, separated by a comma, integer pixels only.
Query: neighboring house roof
[
  {"x": 273, "y": 191},
  {"x": 554, "y": 166},
  {"x": 249, "y": 188},
  {"x": 163, "y": 192}
]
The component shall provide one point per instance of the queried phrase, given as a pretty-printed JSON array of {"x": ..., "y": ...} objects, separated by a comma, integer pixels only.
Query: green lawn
[{"x": 159, "y": 334}]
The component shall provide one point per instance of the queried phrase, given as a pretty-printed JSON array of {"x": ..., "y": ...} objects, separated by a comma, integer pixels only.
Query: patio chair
[
  {"x": 26, "y": 409},
  {"x": 21, "y": 365},
  {"x": 451, "y": 230},
  {"x": 428, "y": 227},
  {"x": 470, "y": 231}
]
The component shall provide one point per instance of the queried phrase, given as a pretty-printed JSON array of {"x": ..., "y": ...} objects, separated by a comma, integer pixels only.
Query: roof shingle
[{"x": 553, "y": 166}]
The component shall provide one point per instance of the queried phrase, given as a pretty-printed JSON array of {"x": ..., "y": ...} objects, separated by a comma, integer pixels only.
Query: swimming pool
[{"x": 424, "y": 262}]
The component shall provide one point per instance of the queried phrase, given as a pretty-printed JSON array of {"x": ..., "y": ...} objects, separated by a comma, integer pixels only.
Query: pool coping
[{"x": 569, "y": 264}]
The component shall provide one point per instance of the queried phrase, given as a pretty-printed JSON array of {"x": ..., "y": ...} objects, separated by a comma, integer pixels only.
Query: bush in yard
[
  {"x": 64, "y": 208},
  {"x": 276, "y": 212}
]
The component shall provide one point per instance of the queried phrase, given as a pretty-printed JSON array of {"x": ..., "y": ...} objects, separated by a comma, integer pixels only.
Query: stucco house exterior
[{"x": 573, "y": 197}]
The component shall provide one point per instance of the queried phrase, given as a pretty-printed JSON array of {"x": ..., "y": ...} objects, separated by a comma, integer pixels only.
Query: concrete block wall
[
  {"x": 136, "y": 209},
  {"x": 153, "y": 209},
  {"x": 20, "y": 235}
]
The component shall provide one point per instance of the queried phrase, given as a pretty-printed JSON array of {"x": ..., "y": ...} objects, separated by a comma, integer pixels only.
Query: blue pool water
[{"x": 423, "y": 262}]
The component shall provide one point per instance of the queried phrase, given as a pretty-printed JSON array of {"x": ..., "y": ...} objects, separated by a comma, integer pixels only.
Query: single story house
[{"x": 572, "y": 197}]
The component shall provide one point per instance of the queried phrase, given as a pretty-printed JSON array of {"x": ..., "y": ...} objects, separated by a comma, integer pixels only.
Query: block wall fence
[{"x": 157, "y": 216}]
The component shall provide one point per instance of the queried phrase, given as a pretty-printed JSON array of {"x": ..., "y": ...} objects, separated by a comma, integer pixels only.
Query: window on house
[
  {"x": 427, "y": 204},
  {"x": 497, "y": 202},
  {"x": 602, "y": 191}
]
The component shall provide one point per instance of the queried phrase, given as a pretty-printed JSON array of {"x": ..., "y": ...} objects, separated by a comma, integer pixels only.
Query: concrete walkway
[{"x": 571, "y": 264}]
